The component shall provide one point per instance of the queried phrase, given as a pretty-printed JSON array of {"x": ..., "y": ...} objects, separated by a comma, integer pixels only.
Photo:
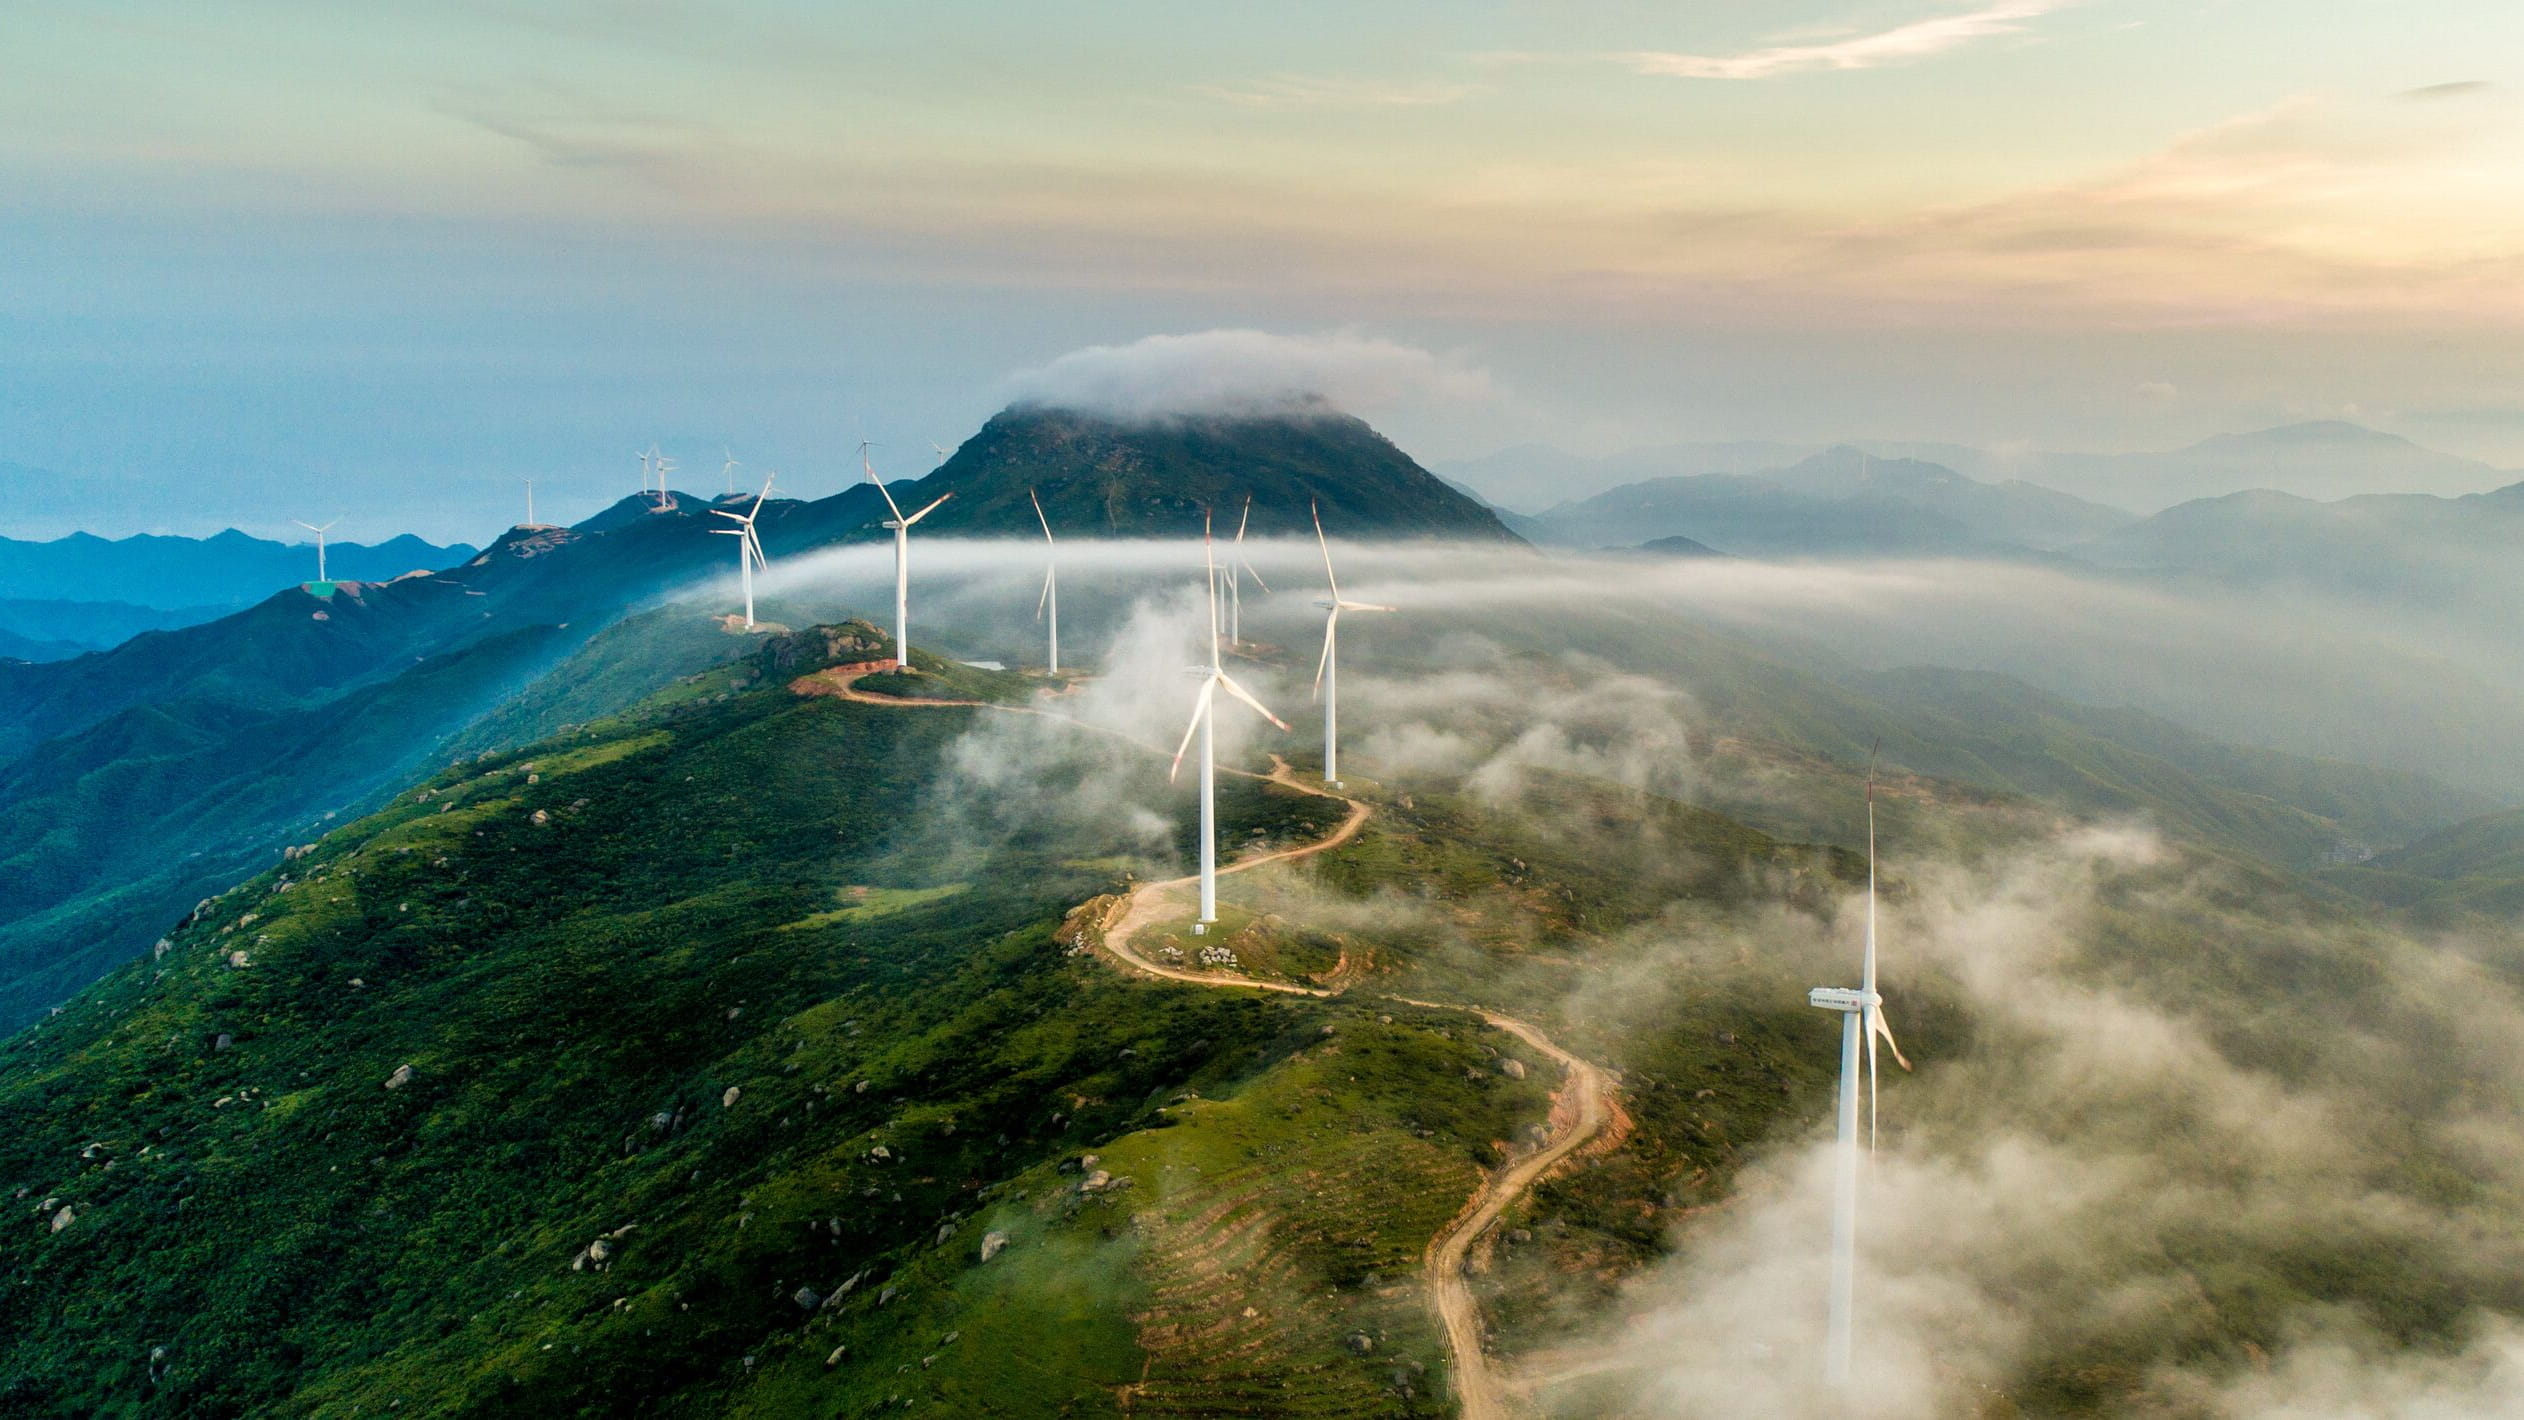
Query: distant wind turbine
[
  {"x": 319, "y": 532},
  {"x": 645, "y": 455},
  {"x": 727, "y": 471},
  {"x": 1328, "y": 669},
  {"x": 1214, "y": 677},
  {"x": 748, "y": 547},
  {"x": 1050, "y": 600},
  {"x": 902, "y": 556},
  {"x": 1862, "y": 1013},
  {"x": 943, "y": 455},
  {"x": 530, "y": 503},
  {"x": 1238, "y": 568},
  {"x": 665, "y": 466}
]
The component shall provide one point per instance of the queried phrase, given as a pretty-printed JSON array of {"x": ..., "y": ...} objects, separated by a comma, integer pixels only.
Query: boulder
[
  {"x": 992, "y": 1242},
  {"x": 728, "y": 1100},
  {"x": 1360, "y": 1343},
  {"x": 65, "y": 1218},
  {"x": 1513, "y": 1069},
  {"x": 807, "y": 1299},
  {"x": 402, "y": 1076}
]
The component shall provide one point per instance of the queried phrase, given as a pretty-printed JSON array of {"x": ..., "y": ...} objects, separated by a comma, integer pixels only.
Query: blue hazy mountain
[
  {"x": 1841, "y": 502},
  {"x": 226, "y": 569}
]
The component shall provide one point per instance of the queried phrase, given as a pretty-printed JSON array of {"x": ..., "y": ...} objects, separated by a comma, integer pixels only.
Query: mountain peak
[
  {"x": 1105, "y": 476},
  {"x": 2313, "y": 433}
]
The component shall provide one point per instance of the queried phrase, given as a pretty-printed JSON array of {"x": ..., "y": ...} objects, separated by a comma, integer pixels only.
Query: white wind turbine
[
  {"x": 902, "y": 557},
  {"x": 727, "y": 472},
  {"x": 748, "y": 547},
  {"x": 1328, "y": 669},
  {"x": 1237, "y": 570},
  {"x": 1050, "y": 600},
  {"x": 1204, "y": 717},
  {"x": 319, "y": 532},
  {"x": 664, "y": 467},
  {"x": 1862, "y": 1013},
  {"x": 530, "y": 504},
  {"x": 645, "y": 455}
]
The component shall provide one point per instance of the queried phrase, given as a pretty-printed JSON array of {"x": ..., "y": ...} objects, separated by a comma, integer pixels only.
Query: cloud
[
  {"x": 1903, "y": 44},
  {"x": 2156, "y": 391},
  {"x": 2455, "y": 90},
  {"x": 1244, "y": 372},
  {"x": 1294, "y": 91}
]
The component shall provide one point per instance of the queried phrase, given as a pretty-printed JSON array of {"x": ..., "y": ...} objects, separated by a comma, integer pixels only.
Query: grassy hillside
[{"x": 670, "y": 985}]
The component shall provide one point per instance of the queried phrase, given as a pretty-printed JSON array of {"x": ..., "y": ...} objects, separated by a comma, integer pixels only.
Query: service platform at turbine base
[{"x": 322, "y": 591}]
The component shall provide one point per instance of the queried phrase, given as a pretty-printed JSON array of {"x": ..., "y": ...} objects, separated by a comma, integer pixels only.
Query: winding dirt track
[{"x": 1477, "y": 1387}]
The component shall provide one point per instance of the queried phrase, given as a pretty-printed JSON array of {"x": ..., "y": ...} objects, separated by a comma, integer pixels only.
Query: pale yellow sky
[{"x": 2202, "y": 196}]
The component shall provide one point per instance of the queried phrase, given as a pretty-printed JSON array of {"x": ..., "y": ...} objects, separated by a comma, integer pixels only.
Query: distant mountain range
[
  {"x": 2326, "y": 459},
  {"x": 227, "y": 569},
  {"x": 1841, "y": 502}
]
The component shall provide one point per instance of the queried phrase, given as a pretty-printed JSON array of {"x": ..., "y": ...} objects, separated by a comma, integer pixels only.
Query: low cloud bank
[{"x": 1246, "y": 372}]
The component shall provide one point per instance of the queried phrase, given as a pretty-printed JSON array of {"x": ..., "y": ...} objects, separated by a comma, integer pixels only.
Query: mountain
[
  {"x": 1530, "y": 477},
  {"x": 664, "y": 1068},
  {"x": 1841, "y": 502},
  {"x": 1101, "y": 477},
  {"x": 2323, "y": 460},
  {"x": 756, "y": 1053},
  {"x": 135, "y": 779},
  {"x": 2448, "y": 560},
  {"x": 79, "y": 626},
  {"x": 227, "y": 569}
]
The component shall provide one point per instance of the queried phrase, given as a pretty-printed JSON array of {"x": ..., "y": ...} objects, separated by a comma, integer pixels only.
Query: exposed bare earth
[{"x": 1585, "y": 1115}]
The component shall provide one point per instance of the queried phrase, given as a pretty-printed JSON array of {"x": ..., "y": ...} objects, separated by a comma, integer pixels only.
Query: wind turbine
[
  {"x": 748, "y": 546},
  {"x": 319, "y": 532},
  {"x": 1862, "y": 1013},
  {"x": 1050, "y": 600},
  {"x": 1238, "y": 569},
  {"x": 1204, "y": 723},
  {"x": 943, "y": 455},
  {"x": 645, "y": 455},
  {"x": 665, "y": 466},
  {"x": 530, "y": 503},
  {"x": 727, "y": 472},
  {"x": 1328, "y": 669},
  {"x": 902, "y": 557}
]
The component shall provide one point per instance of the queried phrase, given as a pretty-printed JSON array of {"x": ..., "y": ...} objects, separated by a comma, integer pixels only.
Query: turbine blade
[
  {"x": 1877, "y": 1025},
  {"x": 1038, "y": 514},
  {"x": 916, "y": 517},
  {"x": 731, "y": 517},
  {"x": 1331, "y": 627},
  {"x": 765, "y": 493},
  {"x": 868, "y": 471},
  {"x": 1367, "y": 606},
  {"x": 1250, "y": 571},
  {"x": 1200, "y": 707},
  {"x": 1246, "y": 696},
  {"x": 1045, "y": 599},
  {"x": 1241, "y": 519}
]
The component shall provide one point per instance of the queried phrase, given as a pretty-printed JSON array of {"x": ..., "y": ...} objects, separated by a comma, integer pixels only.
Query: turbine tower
[
  {"x": 1204, "y": 724},
  {"x": 1237, "y": 570},
  {"x": 1050, "y": 600},
  {"x": 530, "y": 504},
  {"x": 902, "y": 558},
  {"x": 748, "y": 546},
  {"x": 1862, "y": 1013},
  {"x": 319, "y": 532},
  {"x": 1328, "y": 669}
]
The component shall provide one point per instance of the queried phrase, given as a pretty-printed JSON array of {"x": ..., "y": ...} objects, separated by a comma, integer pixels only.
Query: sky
[{"x": 267, "y": 259}]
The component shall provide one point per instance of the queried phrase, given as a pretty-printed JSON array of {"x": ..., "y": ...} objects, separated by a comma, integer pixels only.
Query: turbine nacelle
[{"x": 1842, "y": 998}]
